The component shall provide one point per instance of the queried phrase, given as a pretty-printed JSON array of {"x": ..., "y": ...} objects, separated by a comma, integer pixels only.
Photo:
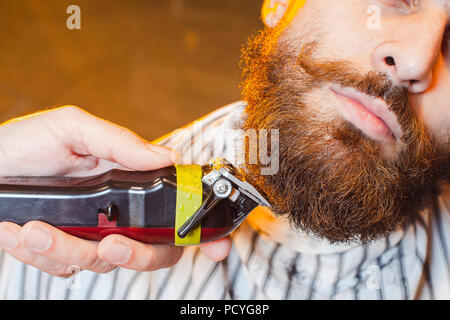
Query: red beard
[{"x": 341, "y": 188}]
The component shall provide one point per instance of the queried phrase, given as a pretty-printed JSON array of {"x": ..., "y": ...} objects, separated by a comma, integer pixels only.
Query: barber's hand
[{"x": 70, "y": 141}]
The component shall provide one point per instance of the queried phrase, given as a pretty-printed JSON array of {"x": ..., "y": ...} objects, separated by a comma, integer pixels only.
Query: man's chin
[{"x": 342, "y": 190}]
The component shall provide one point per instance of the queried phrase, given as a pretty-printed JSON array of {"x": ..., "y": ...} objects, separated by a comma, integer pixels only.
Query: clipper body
[{"x": 179, "y": 205}]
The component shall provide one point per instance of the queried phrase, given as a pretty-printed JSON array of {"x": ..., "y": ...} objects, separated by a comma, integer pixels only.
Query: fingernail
[
  {"x": 118, "y": 253},
  {"x": 8, "y": 239},
  {"x": 38, "y": 240}
]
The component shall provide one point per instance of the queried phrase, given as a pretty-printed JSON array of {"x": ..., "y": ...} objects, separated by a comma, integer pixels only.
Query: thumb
[
  {"x": 217, "y": 250},
  {"x": 105, "y": 140}
]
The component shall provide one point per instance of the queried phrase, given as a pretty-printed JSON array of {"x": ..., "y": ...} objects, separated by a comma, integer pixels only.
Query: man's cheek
[
  {"x": 434, "y": 113},
  {"x": 434, "y": 105}
]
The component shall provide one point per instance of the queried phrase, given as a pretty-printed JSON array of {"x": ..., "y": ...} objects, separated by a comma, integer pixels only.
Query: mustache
[
  {"x": 374, "y": 84},
  {"x": 342, "y": 72}
]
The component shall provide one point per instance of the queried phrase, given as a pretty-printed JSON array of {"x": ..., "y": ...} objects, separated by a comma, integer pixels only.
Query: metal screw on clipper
[{"x": 222, "y": 188}]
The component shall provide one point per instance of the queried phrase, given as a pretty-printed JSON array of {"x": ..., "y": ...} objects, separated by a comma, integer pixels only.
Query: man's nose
[{"x": 409, "y": 54}]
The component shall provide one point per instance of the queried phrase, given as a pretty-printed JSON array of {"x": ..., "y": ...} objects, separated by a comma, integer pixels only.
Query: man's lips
[{"x": 369, "y": 114}]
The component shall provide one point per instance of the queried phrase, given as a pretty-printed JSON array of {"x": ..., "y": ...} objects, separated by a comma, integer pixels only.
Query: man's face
[{"x": 363, "y": 110}]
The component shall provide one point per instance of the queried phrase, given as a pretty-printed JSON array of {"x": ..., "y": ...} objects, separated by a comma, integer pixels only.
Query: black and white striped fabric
[{"x": 268, "y": 260}]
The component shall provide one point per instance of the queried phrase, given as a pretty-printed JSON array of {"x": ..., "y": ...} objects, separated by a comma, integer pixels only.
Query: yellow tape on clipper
[{"x": 189, "y": 199}]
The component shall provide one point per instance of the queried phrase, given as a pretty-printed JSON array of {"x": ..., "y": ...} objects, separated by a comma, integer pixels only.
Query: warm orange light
[
  {"x": 291, "y": 12},
  {"x": 295, "y": 6}
]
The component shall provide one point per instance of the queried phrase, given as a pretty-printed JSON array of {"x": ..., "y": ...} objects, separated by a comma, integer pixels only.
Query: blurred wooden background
[{"x": 149, "y": 65}]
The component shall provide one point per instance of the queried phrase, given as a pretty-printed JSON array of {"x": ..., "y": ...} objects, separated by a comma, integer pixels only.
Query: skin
[
  {"x": 415, "y": 36},
  {"x": 70, "y": 141}
]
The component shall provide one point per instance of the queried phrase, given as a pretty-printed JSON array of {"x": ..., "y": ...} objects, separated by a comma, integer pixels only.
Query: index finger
[{"x": 86, "y": 134}]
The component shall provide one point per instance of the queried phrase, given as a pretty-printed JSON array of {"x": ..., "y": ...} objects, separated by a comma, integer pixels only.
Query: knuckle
[
  {"x": 84, "y": 258},
  {"x": 151, "y": 259},
  {"x": 66, "y": 112},
  {"x": 26, "y": 257},
  {"x": 71, "y": 109},
  {"x": 30, "y": 225},
  {"x": 35, "y": 225},
  {"x": 125, "y": 134},
  {"x": 36, "y": 231},
  {"x": 60, "y": 271},
  {"x": 101, "y": 266}
]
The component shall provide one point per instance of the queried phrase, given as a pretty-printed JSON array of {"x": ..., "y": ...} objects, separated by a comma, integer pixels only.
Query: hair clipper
[{"x": 180, "y": 205}]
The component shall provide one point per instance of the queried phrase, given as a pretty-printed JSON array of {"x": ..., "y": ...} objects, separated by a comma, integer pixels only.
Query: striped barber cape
[{"x": 268, "y": 259}]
